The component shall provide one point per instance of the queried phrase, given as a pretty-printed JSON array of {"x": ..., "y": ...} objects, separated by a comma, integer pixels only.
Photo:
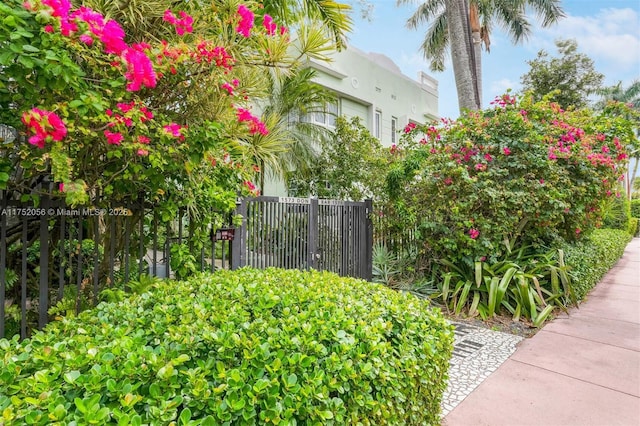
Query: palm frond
[{"x": 436, "y": 43}]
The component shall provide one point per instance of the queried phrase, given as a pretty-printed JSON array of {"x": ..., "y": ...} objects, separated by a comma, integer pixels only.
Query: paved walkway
[{"x": 582, "y": 369}]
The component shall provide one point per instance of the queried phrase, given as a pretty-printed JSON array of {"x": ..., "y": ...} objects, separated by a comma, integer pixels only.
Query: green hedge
[
  {"x": 635, "y": 208},
  {"x": 591, "y": 258},
  {"x": 245, "y": 347}
]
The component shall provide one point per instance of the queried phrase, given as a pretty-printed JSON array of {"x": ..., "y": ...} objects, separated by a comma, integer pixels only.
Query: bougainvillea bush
[
  {"x": 157, "y": 108},
  {"x": 244, "y": 347},
  {"x": 493, "y": 195},
  {"x": 520, "y": 173}
]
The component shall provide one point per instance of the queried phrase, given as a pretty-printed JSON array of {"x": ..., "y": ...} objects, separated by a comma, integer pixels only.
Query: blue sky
[{"x": 608, "y": 31}]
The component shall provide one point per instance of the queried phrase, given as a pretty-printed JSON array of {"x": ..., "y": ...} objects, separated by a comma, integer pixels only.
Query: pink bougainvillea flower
[
  {"x": 175, "y": 130},
  {"x": 600, "y": 137},
  {"x": 60, "y": 7},
  {"x": 488, "y": 157},
  {"x": 506, "y": 151},
  {"x": 142, "y": 152},
  {"x": 125, "y": 107},
  {"x": 61, "y": 187},
  {"x": 48, "y": 28},
  {"x": 86, "y": 39},
  {"x": 246, "y": 21},
  {"x": 448, "y": 181},
  {"x": 474, "y": 233},
  {"x": 183, "y": 25},
  {"x": 409, "y": 127},
  {"x": 481, "y": 167},
  {"x": 254, "y": 123},
  {"x": 113, "y": 38},
  {"x": 269, "y": 25},
  {"x": 113, "y": 138},
  {"x": 283, "y": 30},
  {"x": 228, "y": 87},
  {"x": 140, "y": 70},
  {"x": 43, "y": 124},
  {"x": 144, "y": 139},
  {"x": 578, "y": 230}
]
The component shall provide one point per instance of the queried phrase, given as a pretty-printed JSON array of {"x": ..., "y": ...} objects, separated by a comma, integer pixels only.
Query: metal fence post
[
  {"x": 239, "y": 242},
  {"x": 368, "y": 272},
  {"x": 44, "y": 265},
  {"x": 312, "y": 243}
]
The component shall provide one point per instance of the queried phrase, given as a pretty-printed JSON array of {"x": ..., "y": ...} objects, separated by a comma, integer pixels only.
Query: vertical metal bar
[
  {"x": 155, "y": 244},
  {"x": 180, "y": 214},
  {"x": 166, "y": 249},
  {"x": 23, "y": 283},
  {"x": 112, "y": 248},
  {"x": 3, "y": 262},
  {"x": 43, "y": 296},
  {"x": 213, "y": 249},
  {"x": 79, "y": 275},
  {"x": 238, "y": 257},
  {"x": 312, "y": 231},
  {"x": 141, "y": 243},
  {"x": 368, "y": 273},
  {"x": 96, "y": 258},
  {"x": 61, "y": 245},
  {"x": 127, "y": 247}
]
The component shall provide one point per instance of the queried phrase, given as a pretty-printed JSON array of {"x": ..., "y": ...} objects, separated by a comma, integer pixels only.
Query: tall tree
[
  {"x": 480, "y": 16},
  {"x": 571, "y": 74}
]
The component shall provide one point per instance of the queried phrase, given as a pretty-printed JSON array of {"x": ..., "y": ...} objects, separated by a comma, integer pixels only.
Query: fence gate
[{"x": 305, "y": 233}]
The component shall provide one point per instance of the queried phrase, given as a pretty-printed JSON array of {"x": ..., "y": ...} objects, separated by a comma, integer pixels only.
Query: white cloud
[
  {"x": 500, "y": 86},
  {"x": 611, "y": 38}
]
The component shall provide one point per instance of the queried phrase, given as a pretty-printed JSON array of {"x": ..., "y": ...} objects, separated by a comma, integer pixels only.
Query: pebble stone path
[{"x": 477, "y": 352}]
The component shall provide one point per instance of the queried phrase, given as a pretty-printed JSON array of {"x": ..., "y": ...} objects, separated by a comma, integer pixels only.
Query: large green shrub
[
  {"x": 245, "y": 347},
  {"x": 589, "y": 259},
  {"x": 522, "y": 170},
  {"x": 635, "y": 208}
]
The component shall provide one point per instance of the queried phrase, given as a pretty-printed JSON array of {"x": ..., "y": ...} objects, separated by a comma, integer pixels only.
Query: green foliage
[
  {"x": 521, "y": 172},
  {"x": 617, "y": 214},
  {"x": 244, "y": 347},
  {"x": 525, "y": 284},
  {"x": 384, "y": 265},
  {"x": 633, "y": 226},
  {"x": 183, "y": 262},
  {"x": 635, "y": 207},
  {"x": 351, "y": 165},
  {"x": 591, "y": 258},
  {"x": 568, "y": 79}
]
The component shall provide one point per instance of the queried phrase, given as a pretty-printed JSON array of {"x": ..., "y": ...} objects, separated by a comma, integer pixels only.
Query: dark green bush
[
  {"x": 589, "y": 259},
  {"x": 635, "y": 208},
  {"x": 617, "y": 214},
  {"x": 245, "y": 347}
]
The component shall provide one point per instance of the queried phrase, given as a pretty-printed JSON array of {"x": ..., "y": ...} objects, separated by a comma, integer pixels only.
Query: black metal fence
[
  {"x": 304, "y": 233},
  {"x": 56, "y": 260}
]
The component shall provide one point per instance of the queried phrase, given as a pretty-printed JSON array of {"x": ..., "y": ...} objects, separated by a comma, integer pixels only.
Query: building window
[
  {"x": 376, "y": 123},
  {"x": 394, "y": 129},
  {"x": 326, "y": 118}
]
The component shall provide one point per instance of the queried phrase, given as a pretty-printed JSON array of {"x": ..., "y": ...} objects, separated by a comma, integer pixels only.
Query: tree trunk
[
  {"x": 476, "y": 36},
  {"x": 461, "y": 54}
]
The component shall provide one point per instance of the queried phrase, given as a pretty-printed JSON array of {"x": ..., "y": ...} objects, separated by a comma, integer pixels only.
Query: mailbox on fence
[{"x": 224, "y": 234}]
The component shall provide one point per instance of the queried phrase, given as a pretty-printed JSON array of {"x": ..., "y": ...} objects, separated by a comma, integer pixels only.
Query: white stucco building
[{"x": 372, "y": 87}]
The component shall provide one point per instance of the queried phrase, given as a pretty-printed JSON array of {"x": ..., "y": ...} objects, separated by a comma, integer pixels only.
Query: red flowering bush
[{"x": 520, "y": 172}]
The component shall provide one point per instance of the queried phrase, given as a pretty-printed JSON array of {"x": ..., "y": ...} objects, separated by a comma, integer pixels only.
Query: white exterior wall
[{"x": 366, "y": 82}]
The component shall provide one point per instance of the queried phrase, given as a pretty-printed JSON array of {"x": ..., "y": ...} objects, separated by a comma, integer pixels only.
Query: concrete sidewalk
[{"x": 582, "y": 369}]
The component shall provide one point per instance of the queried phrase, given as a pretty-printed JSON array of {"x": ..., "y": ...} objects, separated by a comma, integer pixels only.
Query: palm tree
[
  {"x": 292, "y": 142},
  {"x": 333, "y": 15},
  {"x": 480, "y": 17}
]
